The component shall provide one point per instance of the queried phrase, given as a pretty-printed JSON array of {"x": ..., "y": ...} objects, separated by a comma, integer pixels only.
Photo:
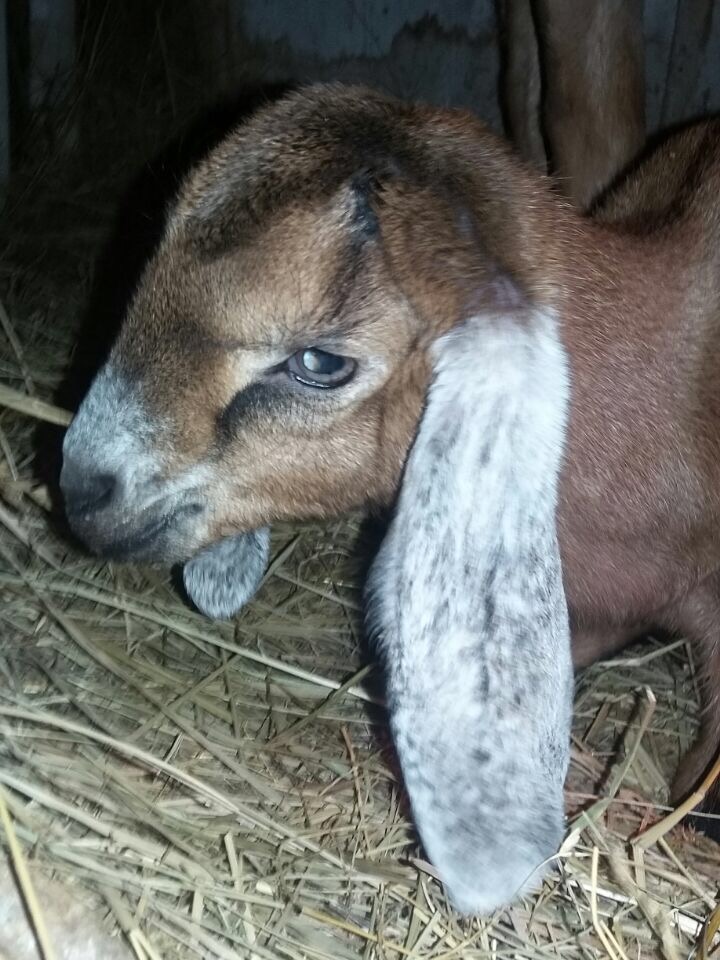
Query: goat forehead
[
  {"x": 304, "y": 145},
  {"x": 238, "y": 222},
  {"x": 291, "y": 282}
]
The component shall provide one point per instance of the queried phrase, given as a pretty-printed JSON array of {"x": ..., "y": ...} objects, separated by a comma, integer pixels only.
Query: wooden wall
[{"x": 443, "y": 51}]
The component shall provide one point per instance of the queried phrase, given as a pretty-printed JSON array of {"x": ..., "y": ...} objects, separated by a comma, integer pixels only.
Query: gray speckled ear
[
  {"x": 466, "y": 597},
  {"x": 222, "y": 578}
]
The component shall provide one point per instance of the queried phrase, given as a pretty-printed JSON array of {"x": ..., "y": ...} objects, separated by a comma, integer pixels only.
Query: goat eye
[{"x": 316, "y": 368}]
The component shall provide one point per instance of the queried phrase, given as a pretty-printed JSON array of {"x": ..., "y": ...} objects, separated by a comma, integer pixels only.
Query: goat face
[
  {"x": 273, "y": 362},
  {"x": 242, "y": 389},
  {"x": 253, "y": 378}
]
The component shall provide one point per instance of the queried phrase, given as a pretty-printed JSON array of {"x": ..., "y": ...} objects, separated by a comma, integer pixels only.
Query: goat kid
[{"x": 275, "y": 359}]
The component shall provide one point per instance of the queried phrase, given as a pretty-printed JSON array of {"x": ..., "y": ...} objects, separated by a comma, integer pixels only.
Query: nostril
[{"x": 85, "y": 493}]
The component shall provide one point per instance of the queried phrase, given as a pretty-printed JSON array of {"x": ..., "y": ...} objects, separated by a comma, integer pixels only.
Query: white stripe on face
[
  {"x": 112, "y": 433},
  {"x": 119, "y": 496}
]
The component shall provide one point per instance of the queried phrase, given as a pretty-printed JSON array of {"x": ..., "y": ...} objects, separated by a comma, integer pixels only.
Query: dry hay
[{"x": 227, "y": 790}]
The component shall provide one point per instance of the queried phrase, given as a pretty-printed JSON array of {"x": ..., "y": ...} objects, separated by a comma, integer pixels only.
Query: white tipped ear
[
  {"x": 467, "y": 598},
  {"x": 223, "y": 577}
]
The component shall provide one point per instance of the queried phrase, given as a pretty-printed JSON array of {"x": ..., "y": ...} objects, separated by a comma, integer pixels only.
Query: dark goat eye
[{"x": 316, "y": 368}]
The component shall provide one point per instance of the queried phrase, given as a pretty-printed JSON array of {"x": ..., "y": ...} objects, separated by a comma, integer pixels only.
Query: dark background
[{"x": 113, "y": 80}]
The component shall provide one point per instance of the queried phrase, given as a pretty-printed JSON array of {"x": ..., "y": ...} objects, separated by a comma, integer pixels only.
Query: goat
[
  {"x": 466, "y": 599},
  {"x": 274, "y": 360}
]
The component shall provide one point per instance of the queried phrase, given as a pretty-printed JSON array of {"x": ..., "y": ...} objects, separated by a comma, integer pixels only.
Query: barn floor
[{"x": 228, "y": 790}]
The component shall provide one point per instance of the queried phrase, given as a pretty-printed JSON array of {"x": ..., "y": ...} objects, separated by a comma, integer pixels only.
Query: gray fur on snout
[
  {"x": 223, "y": 577},
  {"x": 466, "y": 598}
]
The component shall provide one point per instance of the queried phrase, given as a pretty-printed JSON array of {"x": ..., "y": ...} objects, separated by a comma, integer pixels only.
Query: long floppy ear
[
  {"x": 223, "y": 577},
  {"x": 466, "y": 598}
]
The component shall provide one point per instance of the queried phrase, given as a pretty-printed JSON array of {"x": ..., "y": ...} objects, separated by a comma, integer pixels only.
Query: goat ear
[
  {"x": 466, "y": 598},
  {"x": 223, "y": 577}
]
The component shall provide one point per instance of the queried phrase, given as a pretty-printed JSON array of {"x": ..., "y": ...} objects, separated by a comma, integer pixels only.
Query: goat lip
[{"x": 144, "y": 543}]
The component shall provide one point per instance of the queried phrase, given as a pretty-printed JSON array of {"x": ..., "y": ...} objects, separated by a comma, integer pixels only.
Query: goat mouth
[{"x": 149, "y": 542}]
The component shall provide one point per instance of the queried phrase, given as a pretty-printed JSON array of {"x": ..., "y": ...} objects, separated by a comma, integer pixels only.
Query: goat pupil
[{"x": 317, "y": 361}]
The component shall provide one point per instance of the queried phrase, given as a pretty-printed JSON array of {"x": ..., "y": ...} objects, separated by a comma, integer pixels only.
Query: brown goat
[{"x": 274, "y": 361}]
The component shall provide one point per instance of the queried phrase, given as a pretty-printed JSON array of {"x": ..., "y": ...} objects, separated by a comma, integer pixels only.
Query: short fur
[
  {"x": 467, "y": 600},
  {"x": 342, "y": 219}
]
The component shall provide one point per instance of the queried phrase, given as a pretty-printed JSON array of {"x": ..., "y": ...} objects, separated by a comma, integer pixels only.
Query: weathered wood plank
[{"x": 682, "y": 96}]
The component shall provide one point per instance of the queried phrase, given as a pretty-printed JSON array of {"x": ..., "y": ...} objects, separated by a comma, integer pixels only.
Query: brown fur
[{"x": 366, "y": 226}]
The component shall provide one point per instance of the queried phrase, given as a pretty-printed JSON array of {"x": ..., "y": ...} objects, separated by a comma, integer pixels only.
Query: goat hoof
[{"x": 223, "y": 577}]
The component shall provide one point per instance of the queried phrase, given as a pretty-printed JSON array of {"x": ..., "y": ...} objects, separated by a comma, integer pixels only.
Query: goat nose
[{"x": 85, "y": 491}]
